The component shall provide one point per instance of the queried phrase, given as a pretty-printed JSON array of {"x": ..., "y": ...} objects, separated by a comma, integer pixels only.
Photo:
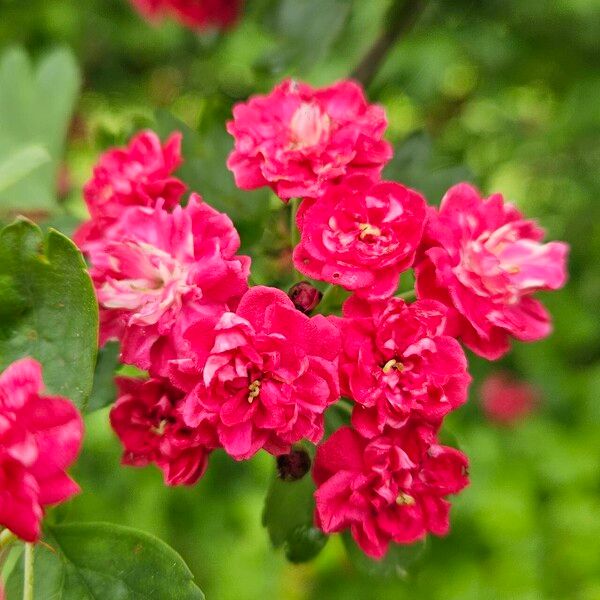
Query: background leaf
[
  {"x": 36, "y": 105},
  {"x": 54, "y": 315},
  {"x": 100, "y": 561},
  {"x": 19, "y": 165},
  {"x": 395, "y": 563},
  {"x": 104, "y": 390}
]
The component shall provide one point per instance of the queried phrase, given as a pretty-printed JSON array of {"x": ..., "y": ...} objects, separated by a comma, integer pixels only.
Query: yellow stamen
[
  {"x": 367, "y": 229},
  {"x": 404, "y": 499},
  {"x": 392, "y": 364},
  {"x": 254, "y": 389},
  {"x": 162, "y": 426}
]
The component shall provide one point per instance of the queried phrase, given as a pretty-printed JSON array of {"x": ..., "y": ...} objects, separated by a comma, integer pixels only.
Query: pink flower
[
  {"x": 388, "y": 489},
  {"x": 265, "y": 374},
  {"x": 396, "y": 363},
  {"x": 482, "y": 259},
  {"x": 159, "y": 271},
  {"x": 298, "y": 139},
  {"x": 147, "y": 418},
  {"x": 138, "y": 175},
  {"x": 360, "y": 235},
  {"x": 40, "y": 437},
  {"x": 196, "y": 14},
  {"x": 506, "y": 400}
]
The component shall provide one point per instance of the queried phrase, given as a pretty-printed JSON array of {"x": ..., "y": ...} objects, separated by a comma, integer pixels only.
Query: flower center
[
  {"x": 253, "y": 391},
  {"x": 368, "y": 231},
  {"x": 392, "y": 364},
  {"x": 309, "y": 126},
  {"x": 405, "y": 499},
  {"x": 160, "y": 430}
]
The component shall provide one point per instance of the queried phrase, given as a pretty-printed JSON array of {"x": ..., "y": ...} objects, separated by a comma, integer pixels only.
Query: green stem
[
  {"x": 294, "y": 233},
  {"x": 7, "y": 537},
  {"x": 400, "y": 18},
  {"x": 28, "y": 572}
]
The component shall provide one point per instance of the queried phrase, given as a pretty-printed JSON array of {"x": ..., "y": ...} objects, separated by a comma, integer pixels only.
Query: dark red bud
[
  {"x": 305, "y": 296},
  {"x": 293, "y": 466}
]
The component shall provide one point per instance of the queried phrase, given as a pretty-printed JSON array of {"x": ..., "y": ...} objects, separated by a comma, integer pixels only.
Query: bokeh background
[{"x": 503, "y": 93}]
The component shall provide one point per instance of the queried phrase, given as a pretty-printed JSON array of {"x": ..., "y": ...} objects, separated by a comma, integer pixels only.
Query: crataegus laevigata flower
[
  {"x": 396, "y": 363},
  {"x": 147, "y": 418},
  {"x": 297, "y": 140},
  {"x": 159, "y": 270},
  {"x": 40, "y": 437},
  {"x": 138, "y": 175},
  {"x": 360, "y": 235},
  {"x": 391, "y": 488},
  {"x": 265, "y": 374},
  {"x": 484, "y": 260},
  {"x": 196, "y": 14}
]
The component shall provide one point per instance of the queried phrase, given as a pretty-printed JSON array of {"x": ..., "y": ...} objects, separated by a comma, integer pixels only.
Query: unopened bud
[
  {"x": 293, "y": 466},
  {"x": 305, "y": 296}
]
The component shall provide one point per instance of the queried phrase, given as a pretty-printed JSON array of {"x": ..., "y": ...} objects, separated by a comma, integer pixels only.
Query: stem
[
  {"x": 401, "y": 17},
  {"x": 28, "y": 572},
  {"x": 7, "y": 537},
  {"x": 294, "y": 233}
]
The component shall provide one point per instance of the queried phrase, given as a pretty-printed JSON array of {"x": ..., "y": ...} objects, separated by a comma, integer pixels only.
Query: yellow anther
[
  {"x": 162, "y": 426},
  {"x": 392, "y": 364},
  {"x": 368, "y": 229},
  {"x": 254, "y": 389},
  {"x": 404, "y": 499}
]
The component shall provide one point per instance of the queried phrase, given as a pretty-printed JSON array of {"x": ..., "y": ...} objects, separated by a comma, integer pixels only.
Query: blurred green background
[{"x": 503, "y": 93}]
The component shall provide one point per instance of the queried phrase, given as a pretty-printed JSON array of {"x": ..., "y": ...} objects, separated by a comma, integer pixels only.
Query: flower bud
[
  {"x": 293, "y": 466},
  {"x": 305, "y": 296}
]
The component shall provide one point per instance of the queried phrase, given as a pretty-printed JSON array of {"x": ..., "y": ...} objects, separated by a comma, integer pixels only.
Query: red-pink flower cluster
[
  {"x": 195, "y": 14},
  {"x": 40, "y": 437},
  {"x": 229, "y": 367},
  {"x": 249, "y": 369}
]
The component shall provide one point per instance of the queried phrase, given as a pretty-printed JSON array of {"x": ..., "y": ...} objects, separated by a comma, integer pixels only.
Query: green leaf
[
  {"x": 394, "y": 564},
  {"x": 53, "y": 314},
  {"x": 22, "y": 163},
  {"x": 206, "y": 173},
  {"x": 36, "y": 105},
  {"x": 101, "y": 561},
  {"x": 288, "y": 517},
  {"x": 104, "y": 391},
  {"x": 305, "y": 37}
]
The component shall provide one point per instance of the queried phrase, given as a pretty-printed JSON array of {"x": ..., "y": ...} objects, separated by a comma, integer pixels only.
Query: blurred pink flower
[
  {"x": 360, "y": 235},
  {"x": 158, "y": 271},
  {"x": 147, "y": 418},
  {"x": 297, "y": 140},
  {"x": 40, "y": 437},
  {"x": 396, "y": 363},
  {"x": 391, "y": 488},
  {"x": 264, "y": 374},
  {"x": 484, "y": 261},
  {"x": 196, "y": 14},
  {"x": 506, "y": 400}
]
